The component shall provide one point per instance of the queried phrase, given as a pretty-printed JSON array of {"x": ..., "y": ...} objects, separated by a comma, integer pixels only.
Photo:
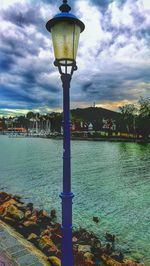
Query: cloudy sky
[{"x": 113, "y": 56}]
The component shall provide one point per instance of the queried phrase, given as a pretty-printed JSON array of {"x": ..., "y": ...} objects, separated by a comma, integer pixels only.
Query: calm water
[{"x": 110, "y": 180}]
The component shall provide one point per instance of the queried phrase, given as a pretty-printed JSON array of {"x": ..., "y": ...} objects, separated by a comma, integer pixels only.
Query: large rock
[
  {"x": 2, "y": 210},
  {"x": 9, "y": 220},
  {"x": 5, "y": 205},
  {"x": 46, "y": 232},
  {"x": 89, "y": 257},
  {"x": 57, "y": 229},
  {"x": 43, "y": 219},
  {"x": 55, "y": 261},
  {"x": 132, "y": 263},
  {"x": 33, "y": 217},
  {"x": 4, "y": 197},
  {"x": 109, "y": 261},
  {"x": 32, "y": 237},
  {"x": 84, "y": 248},
  {"x": 47, "y": 245},
  {"x": 56, "y": 239},
  {"x": 106, "y": 250},
  {"x": 29, "y": 227},
  {"x": 118, "y": 256},
  {"x": 27, "y": 214},
  {"x": 14, "y": 212}
]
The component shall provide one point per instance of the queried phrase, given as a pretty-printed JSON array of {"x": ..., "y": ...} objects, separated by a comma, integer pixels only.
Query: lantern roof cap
[{"x": 64, "y": 16}]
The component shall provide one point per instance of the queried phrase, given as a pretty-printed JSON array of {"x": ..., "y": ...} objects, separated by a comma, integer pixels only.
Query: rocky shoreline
[{"x": 44, "y": 232}]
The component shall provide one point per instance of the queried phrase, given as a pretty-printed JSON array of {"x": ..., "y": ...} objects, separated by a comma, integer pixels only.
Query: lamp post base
[{"x": 67, "y": 246}]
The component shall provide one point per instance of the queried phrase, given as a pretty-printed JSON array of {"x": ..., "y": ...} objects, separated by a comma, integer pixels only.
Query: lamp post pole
[
  {"x": 66, "y": 195},
  {"x": 66, "y": 28}
]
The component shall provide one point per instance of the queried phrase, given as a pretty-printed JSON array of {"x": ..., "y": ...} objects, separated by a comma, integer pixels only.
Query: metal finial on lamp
[{"x": 65, "y": 7}]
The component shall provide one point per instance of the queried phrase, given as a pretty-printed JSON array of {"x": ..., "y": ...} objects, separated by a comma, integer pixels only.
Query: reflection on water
[{"x": 110, "y": 180}]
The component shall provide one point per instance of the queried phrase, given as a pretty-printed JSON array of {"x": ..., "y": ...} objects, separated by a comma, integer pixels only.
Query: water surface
[{"x": 109, "y": 180}]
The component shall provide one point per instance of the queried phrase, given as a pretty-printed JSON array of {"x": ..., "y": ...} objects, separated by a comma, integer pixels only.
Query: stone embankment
[{"x": 44, "y": 232}]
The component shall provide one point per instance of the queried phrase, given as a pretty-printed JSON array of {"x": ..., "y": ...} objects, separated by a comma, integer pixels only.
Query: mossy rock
[{"x": 54, "y": 261}]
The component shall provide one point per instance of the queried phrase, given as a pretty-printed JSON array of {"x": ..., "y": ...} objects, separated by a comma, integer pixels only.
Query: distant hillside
[{"x": 96, "y": 115}]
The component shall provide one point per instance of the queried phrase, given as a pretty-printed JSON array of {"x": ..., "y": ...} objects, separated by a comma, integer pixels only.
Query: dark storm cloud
[
  {"x": 27, "y": 60},
  {"x": 13, "y": 46},
  {"x": 8, "y": 93},
  {"x": 138, "y": 18},
  {"x": 143, "y": 34},
  {"x": 6, "y": 63},
  {"x": 20, "y": 100},
  {"x": 30, "y": 80},
  {"x": 116, "y": 86},
  {"x": 19, "y": 52},
  {"x": 103, "y": 86},
  {"x": 21, "y": 17},
  {"x": 104, "y": 4}
]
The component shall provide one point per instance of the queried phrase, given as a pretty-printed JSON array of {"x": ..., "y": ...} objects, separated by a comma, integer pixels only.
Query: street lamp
[{"x": 65, "y": 29}]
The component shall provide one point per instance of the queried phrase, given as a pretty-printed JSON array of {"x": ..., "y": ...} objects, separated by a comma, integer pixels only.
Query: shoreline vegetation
[
  {"x": 111, "y": 139},
  {"x": 43, "y": 231}
]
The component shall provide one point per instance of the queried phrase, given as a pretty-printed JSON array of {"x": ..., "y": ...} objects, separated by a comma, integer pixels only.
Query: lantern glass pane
[{"x": 65, "y": 37}]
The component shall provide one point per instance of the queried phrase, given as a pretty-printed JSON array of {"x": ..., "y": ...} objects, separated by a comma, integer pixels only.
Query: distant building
[
  {"x": 73, "y": 127},
  {"x": 90, "y": 127},
  {"x": 114, "y": 125},
  {"x": 109, "y": 124}
]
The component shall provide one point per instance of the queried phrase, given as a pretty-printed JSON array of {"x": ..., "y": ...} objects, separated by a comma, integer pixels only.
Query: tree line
[{"x": 137, "y": 117}]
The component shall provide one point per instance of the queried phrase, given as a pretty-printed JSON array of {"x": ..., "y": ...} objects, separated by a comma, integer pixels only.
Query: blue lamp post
[{"x": 65, "y": 29}]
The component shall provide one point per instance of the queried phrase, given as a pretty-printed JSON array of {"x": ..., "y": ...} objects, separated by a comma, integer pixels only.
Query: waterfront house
[{"x": 90, "y": 127}]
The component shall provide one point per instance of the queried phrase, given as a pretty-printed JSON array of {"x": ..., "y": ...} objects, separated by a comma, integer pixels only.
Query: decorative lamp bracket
[{"x": 65, "y": 66}]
